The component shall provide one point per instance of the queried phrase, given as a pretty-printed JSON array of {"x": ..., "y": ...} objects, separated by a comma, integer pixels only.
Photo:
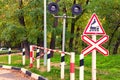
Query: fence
[{"x": 72, "y": 61}]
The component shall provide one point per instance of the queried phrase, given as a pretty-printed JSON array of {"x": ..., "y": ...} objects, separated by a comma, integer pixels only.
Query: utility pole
[{"x": 45, "y": 33}]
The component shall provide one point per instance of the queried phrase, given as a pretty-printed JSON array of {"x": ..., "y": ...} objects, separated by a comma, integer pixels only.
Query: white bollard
[
  {"x": 81, "y": 69},
  {"x": 9, "y": 56},
  {"x": 48, "y": 61},
  {"x": 23, "y": 57},
  {"x": 62, "y": 65},
  {"x": 38, "y": 58},
  {"x": 72, "y": 66}
]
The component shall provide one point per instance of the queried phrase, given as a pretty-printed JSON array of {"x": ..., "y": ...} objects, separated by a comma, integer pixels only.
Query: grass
[
  {"x": 6, "y": 51},
  {"x": 107, "y": 67}
]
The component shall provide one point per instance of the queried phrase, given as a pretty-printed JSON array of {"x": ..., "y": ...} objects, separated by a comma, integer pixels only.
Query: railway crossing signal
[
  {"x": 95, "y": 45},
  {"x": 94, "y": 27}
]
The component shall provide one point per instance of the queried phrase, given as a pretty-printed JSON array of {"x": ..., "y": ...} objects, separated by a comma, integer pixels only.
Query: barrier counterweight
[{"x": 81, "y": 73}]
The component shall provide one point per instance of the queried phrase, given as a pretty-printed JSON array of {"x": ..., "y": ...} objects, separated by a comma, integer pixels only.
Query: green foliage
[{"x": 32, "y": 10}]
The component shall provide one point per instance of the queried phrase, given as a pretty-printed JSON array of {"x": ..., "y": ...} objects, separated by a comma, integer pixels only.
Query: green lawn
[
  {"x": 6, "y": 51},
  {"x": 107, "y": 67}
]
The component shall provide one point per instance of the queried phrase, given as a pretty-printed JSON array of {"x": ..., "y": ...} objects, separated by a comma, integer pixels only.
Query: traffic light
[
  {"x": 76, "y": 9},
  {"x": 53, "y": 8}
]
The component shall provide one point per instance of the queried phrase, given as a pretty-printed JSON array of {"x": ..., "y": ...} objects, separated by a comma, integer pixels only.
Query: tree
[
  {"x": 25, "y": 43},
  {"x": 20, "y": 23},
  {"x": 109, "y": 13}
]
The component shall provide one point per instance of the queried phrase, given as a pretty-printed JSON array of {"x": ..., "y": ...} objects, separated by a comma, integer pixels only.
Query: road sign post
[
  {"x": 94, "y": 60},
  {"x": 94, "y": 28}
]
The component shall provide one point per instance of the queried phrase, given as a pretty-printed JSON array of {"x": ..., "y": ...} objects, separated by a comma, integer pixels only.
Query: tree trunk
[
  {"x": 52, "y": 42},
  {"x": 78, "y": 28},
  {"x": 40, "y": 42},
  {"x": 72, "y": 30},
  {"x": 112, "y": 35},
  {"x": 116, "y": 46},
  {"x": 27, "y": 49},
  {"x": 25, "y": 43}
]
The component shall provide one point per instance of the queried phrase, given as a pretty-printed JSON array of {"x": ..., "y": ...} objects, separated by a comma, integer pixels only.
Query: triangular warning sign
[{"x": 94, "y": 26}]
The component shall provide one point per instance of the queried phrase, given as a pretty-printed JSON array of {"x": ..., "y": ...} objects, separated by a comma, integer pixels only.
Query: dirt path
[{"x": 6, "y": 74}]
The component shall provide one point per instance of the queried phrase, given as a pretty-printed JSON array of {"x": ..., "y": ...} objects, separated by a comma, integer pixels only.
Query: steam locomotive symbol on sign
[{"x": 94, "y": 26}]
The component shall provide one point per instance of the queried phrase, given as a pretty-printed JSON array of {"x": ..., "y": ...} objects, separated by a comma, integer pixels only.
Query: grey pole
[
  {"x": 45, "y": 36},
  {"x": 63, "y": 48},
  {"x": 63, "y": 43},
  {"x": 64, "y": 27}
]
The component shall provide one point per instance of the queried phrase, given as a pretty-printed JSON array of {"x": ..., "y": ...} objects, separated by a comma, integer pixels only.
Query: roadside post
[
  {"x": 23, "y": 57},
  {"x": 81, "y": 69},
  {"x": 38, "y": 58},
  {"x": 48, "y": 61},
  {"x": 9, "y": 56}
]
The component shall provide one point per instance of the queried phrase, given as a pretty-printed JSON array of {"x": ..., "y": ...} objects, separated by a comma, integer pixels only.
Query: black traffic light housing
[
  {"x": 76, "y": 9},
  {"x": 53, "y": 8}
]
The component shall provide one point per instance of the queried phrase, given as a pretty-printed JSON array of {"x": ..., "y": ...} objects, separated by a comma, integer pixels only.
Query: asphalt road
[{"x": 6, "y": 74}]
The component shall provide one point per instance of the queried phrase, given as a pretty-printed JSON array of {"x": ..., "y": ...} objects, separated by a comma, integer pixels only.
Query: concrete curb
[{"x": 25, "y": 71}]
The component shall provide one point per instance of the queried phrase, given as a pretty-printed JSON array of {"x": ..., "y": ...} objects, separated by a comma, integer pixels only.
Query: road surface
[{"x": 6, "y": 74}]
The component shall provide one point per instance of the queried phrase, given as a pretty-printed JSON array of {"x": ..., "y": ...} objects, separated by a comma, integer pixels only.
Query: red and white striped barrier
[
  {"x": 72, "y": 66},
  {"x": 53, "y": 50},
  {"x": 31, "y": 55},
  {"x": 72, "y": 61}
]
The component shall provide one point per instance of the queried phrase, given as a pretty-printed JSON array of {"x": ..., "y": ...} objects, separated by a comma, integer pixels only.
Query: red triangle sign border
[{"x": 96, "y": 33}]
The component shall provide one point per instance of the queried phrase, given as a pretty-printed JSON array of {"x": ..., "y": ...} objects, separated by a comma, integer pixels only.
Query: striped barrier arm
[{"x": 54, "y": 50}]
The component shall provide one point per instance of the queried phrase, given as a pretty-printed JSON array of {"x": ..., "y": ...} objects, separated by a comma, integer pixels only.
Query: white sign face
[
  {"x": 94, "y": 27},
  {"x": 95, "y": 45}
]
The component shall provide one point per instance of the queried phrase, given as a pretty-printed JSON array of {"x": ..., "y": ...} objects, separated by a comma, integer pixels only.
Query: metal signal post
[{"x": 53, "y": 8}]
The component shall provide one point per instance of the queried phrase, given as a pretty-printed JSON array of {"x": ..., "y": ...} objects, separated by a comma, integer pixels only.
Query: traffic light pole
[
  {"x": 53, "y": 8},
  {"x": 63, "y": 43},
  {"x": 64, "y": 28},
  {"x": 45, "y": 34}
]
